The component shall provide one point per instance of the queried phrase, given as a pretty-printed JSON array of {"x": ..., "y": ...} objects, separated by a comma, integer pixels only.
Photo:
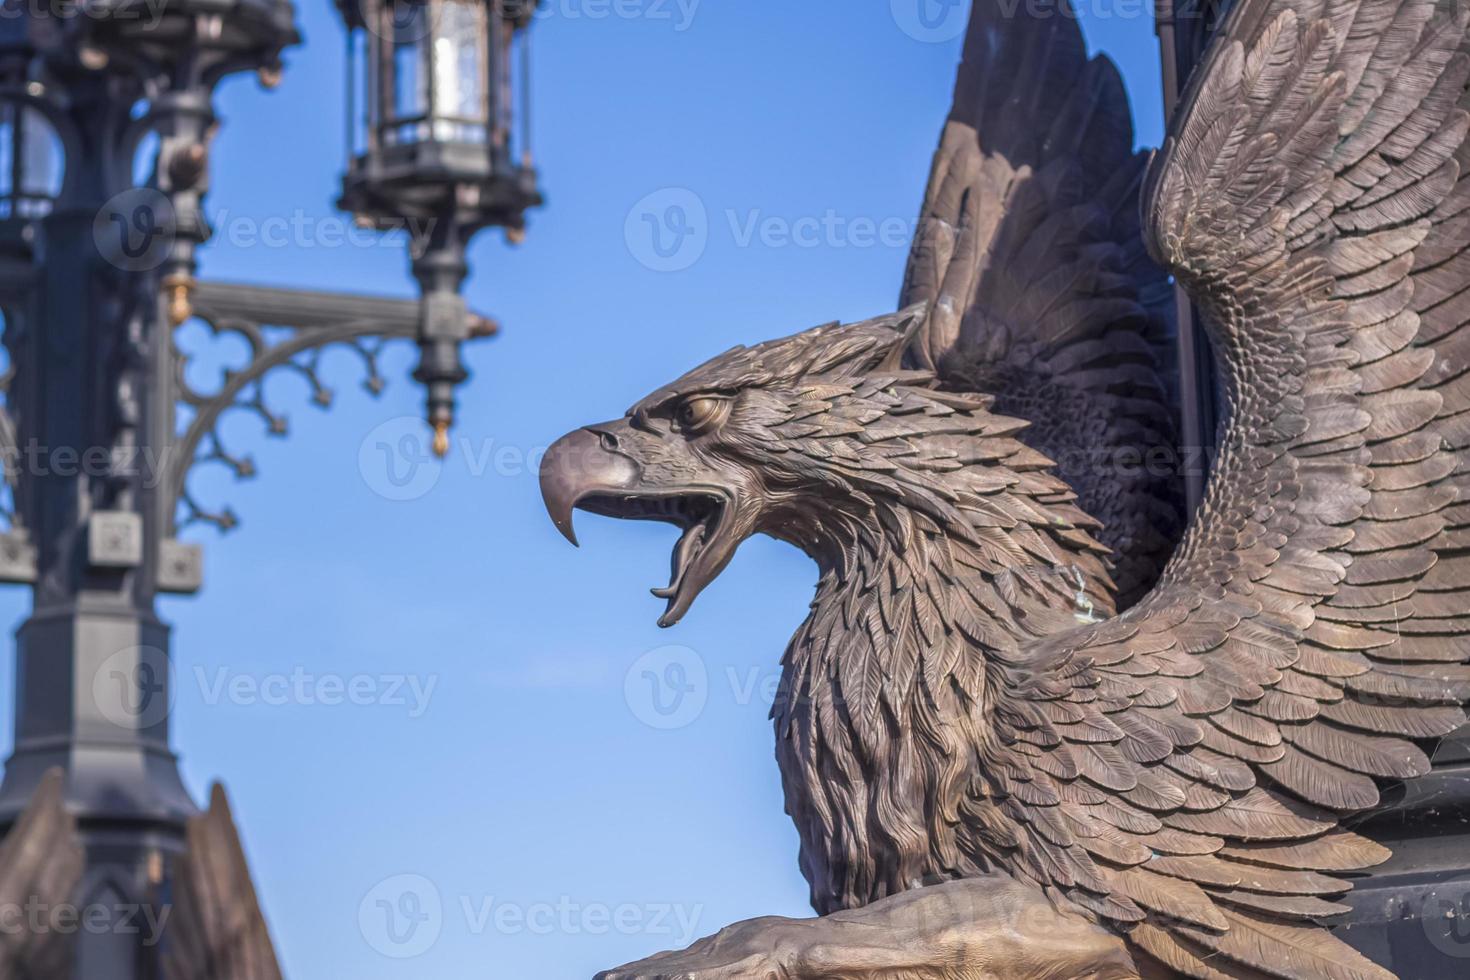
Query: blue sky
[{"x": 434, "y": 706}]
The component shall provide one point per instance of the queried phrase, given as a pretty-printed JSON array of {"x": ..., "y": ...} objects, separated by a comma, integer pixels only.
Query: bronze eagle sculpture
[{"x": 1032, "y": 726}]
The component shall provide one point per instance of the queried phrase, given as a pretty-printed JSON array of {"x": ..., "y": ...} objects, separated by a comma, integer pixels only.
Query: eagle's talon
[{"x": 757, "y": 949}]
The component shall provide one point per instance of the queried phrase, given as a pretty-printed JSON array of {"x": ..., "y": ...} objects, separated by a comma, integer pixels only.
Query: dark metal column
[
  {"x": 92, "y": 678},
  {"x": 1184, "y": 28}
]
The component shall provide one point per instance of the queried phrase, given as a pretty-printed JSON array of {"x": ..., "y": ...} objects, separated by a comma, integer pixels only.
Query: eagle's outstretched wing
[
  {"x": 217, "y": 931},
  {"x": 40, "y": 864},
  {"x": 1187, "y": 762},
  {"x": 1029, "y": 256}
]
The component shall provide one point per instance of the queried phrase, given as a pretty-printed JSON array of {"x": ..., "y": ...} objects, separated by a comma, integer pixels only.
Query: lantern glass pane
[
  {"x": 516, "y": 118},
  {"x": 410, "y": 82},
  {"x": 31, "y": 162},
  {"x": 459, "y": 72},
  {"x": 359, "y": 93},
  {"x": 7, "y": 150}
]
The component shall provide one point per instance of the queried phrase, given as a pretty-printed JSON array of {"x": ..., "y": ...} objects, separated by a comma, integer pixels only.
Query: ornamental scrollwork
[{"x": 284, "y": 331}]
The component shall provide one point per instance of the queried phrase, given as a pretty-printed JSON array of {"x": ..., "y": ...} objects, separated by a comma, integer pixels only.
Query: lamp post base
[
  {"x": 93, "y": 701},
  {"x": 93, "y": 698}
]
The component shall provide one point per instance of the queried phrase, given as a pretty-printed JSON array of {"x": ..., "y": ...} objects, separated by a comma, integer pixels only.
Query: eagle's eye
[{"x": 701, "y": 413}]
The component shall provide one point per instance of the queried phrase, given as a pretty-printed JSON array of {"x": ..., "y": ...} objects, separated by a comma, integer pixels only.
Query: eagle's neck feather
[{"x": 887, "y": 687}]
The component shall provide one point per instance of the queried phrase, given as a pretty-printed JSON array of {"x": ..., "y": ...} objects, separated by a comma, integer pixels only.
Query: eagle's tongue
[{"x": 683, "y": 556}]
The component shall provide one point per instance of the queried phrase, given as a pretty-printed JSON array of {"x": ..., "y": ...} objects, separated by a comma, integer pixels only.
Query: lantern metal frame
[{"x": 474, "y": 169}]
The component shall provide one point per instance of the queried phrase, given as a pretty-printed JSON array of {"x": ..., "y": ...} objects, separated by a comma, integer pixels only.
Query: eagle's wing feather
[
  {"x": 217, "y": 930},
  {"x": 1315, "y": 621},
  {"x": 40, "y": 864},
  {"x": 1039, "y": 291}
]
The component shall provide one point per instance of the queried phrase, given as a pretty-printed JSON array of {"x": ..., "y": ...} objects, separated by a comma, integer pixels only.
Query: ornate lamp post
[{"x": 95, "y": 274}]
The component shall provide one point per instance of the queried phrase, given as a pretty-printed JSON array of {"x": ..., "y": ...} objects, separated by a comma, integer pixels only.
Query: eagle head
[{"x": 822, "y": 439}]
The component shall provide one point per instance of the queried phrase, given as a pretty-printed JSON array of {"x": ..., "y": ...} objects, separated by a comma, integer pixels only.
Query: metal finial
[{"x": 180, "y": 291}]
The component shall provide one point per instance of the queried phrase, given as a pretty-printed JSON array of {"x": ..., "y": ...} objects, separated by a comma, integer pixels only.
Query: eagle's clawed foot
[
  {"x": 973, "y": 929},
  {"x": 756, "y": 949}
]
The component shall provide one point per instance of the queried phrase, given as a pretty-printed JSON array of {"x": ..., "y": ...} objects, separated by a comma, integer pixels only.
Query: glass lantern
[
  {"x": 433, "y": 109},
  {"x": 31, "y": 156}
]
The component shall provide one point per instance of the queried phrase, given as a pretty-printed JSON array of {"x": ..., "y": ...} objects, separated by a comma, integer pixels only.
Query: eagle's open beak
[
  {"x": 577, "y": 466},
  {"x": 592, "y": 469}
]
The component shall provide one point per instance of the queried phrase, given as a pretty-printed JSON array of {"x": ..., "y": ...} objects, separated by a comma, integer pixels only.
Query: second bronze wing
[
  {"x": 1039, "y": 290},
  {"x": 1182, "y": 771}
]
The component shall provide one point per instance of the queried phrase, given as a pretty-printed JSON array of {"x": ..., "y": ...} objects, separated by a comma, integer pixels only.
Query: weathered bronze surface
[
  {"x": 209, "y": 928},
  {"x": 40, "y": 865},
  {"x": 217, "y": 931},
  {"x": 965, "y": 722}
]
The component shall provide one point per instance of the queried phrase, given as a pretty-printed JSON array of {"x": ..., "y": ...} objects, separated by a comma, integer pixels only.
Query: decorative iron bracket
[{"x": 312, "y": 321}]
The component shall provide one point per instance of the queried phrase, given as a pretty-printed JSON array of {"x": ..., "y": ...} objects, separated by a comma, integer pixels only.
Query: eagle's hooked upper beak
[
  {"x": 579, "y": 465},
  {"x": 598, "y": 469}
]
